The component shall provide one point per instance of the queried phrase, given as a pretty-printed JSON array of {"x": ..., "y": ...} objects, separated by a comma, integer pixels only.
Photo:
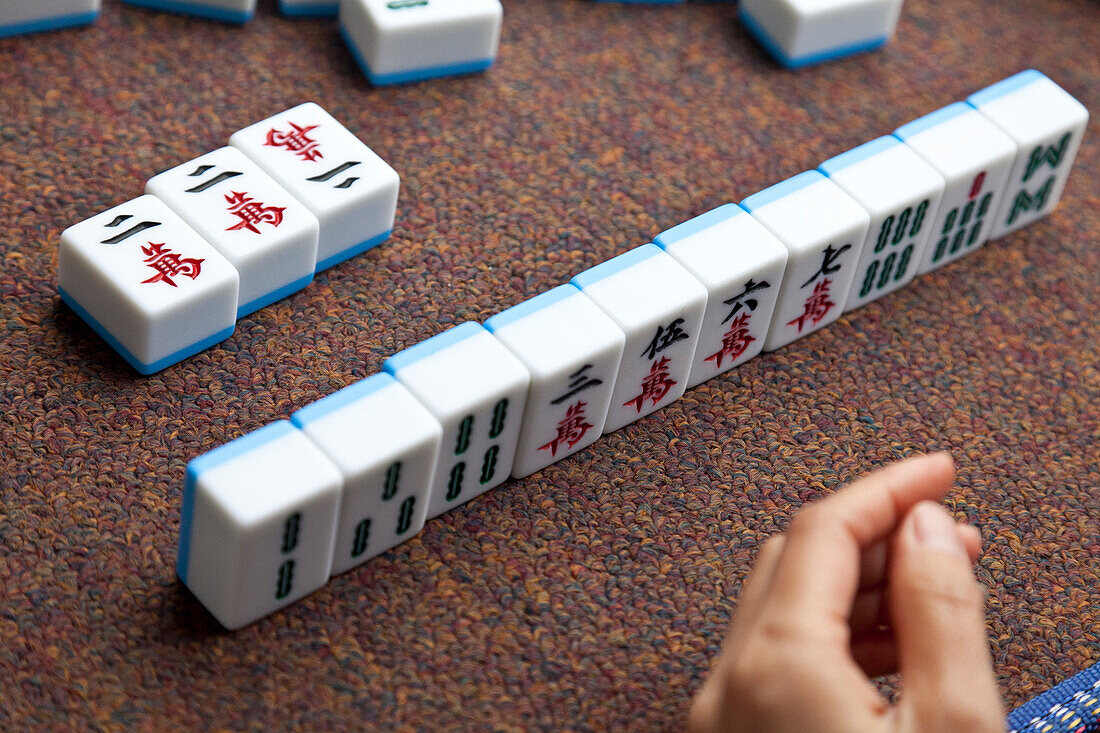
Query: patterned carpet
[{"x": 593, "y": 594}]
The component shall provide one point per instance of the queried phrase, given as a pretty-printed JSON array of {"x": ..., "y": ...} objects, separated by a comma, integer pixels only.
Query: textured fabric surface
[
  {"x": 593, "y": 594},
  {"x": 1071, "y": 707}
]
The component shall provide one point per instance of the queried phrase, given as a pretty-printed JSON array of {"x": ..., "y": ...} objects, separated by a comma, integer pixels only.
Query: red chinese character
[
  {"x": 734, "y": 343},
  {"x": 252, "y": 212},
  {"x": 817, "y": 305},
  {"x": 169, "y": 264},
  {"x": 571, "y": 429},
  {"x": 655, "y": 386},
  {"x": 296, "y": 141}
]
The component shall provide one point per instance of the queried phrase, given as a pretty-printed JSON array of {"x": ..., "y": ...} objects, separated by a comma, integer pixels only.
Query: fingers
[
  {"x": 872, "y": 564},
  {"x": 706, "y": 710},
  {"x": 759, "y": 583},
  {"x": 818, "y": 574},
  {"x": 937, "y": 608},
  {"x": 871, "y": 607}
]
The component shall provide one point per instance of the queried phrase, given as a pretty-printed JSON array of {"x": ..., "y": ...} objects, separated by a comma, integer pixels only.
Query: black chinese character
[
  {"x": 578, "y": 382},
  {"x": 827, "y": 266},
  {"x": 750, "y": 287},
  {"x": 666, "y": 336}
]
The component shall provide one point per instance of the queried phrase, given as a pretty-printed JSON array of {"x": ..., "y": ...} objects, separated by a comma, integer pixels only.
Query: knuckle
[
  {"x": 954, "y": 591},
  {"x": 760, "y": 663}
]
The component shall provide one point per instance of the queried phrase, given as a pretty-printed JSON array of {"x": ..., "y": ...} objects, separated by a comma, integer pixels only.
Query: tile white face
[
  {"x": 741, "y": 265},
  {"x": 1047, "y": 125},
  {"x": 154, "y": 289},
  {"x": 257, "y": 523},
  {"x": 573, "y": 351},
  {"x": 348, "y": 188},
  {"x": 974, "y": 156},
  {"x": 32, "y": 16},
  {"x": 902, "y": 193},
  {"x": 823, "y": 229},
  {"x": 803, "y": 32},
  {"x": 477, "y": 390},
  {"x": 229, "y": 11},
  {"x": 264, "y": 232},
  {"x": 385, "y": 444},
  {"x": 408, "y": 40},
  {"x": 659, "y": 306}
]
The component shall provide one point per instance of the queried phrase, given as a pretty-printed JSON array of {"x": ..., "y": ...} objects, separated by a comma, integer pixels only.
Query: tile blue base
[
  {"x": 352, "y": 251},
  {"x": 309, "y": 11},
  {"x": 201, "y": 11},
  {"x": 133, "y": 361},
  {"x": 798, "y": 62},
  {"x": 48, "y": 24},
  {"x": 404, "y": 77},
  {"x": 278, "y": 294}
]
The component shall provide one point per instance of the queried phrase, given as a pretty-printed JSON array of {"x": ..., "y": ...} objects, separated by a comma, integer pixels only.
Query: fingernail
[{"x": 935, "y": 530}]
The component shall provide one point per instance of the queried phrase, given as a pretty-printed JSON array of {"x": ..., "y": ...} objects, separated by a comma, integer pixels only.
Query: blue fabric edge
[
  {"x": 1040, "y": 705},
  {"x": 341, "y": 398},
  {"x": 48, "y": 24},
  {"x": 404, "y": 77},
  {"x": 531, "y": 305},
  {"x": 140, "y": 366}
]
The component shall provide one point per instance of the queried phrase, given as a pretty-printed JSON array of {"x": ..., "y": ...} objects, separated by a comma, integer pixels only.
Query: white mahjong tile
[
  {"x": 799, "y": 33},
  {"x": 344, "y": 183},
  {"x": 741, "y": 265},
  {"x": 476, "y": 388},
  {"x": 257, "y": 523},
  {"x": 659, "y": 306},
  {"x": 385, "y": 444},
  {"x": 974, "y": 157},
  {"x": 147, "y": 283},
  {"x": 823, "y": 229},
  {"x": 409, "y": 40},
  {"x": 573, "y": 351},
  {"x": 1047, "y": 124},
  {"x": 254, "y": 222},
  {"x": 902, "y": 193}
]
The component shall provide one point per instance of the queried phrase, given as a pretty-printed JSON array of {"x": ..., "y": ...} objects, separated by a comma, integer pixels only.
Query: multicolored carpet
[{"x": 594, "y": 594}]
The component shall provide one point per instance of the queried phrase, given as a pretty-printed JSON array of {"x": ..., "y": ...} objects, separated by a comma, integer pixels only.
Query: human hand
[{"x": 873, "y": 579}]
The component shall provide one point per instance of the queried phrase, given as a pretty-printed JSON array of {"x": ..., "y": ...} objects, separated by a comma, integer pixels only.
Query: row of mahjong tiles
[
  {"x": 269, "y": 517},
  {"x": 168, "y": 274}
]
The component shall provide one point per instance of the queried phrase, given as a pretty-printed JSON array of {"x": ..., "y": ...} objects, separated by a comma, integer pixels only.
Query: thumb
[{"x": 937, "y": 610}]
